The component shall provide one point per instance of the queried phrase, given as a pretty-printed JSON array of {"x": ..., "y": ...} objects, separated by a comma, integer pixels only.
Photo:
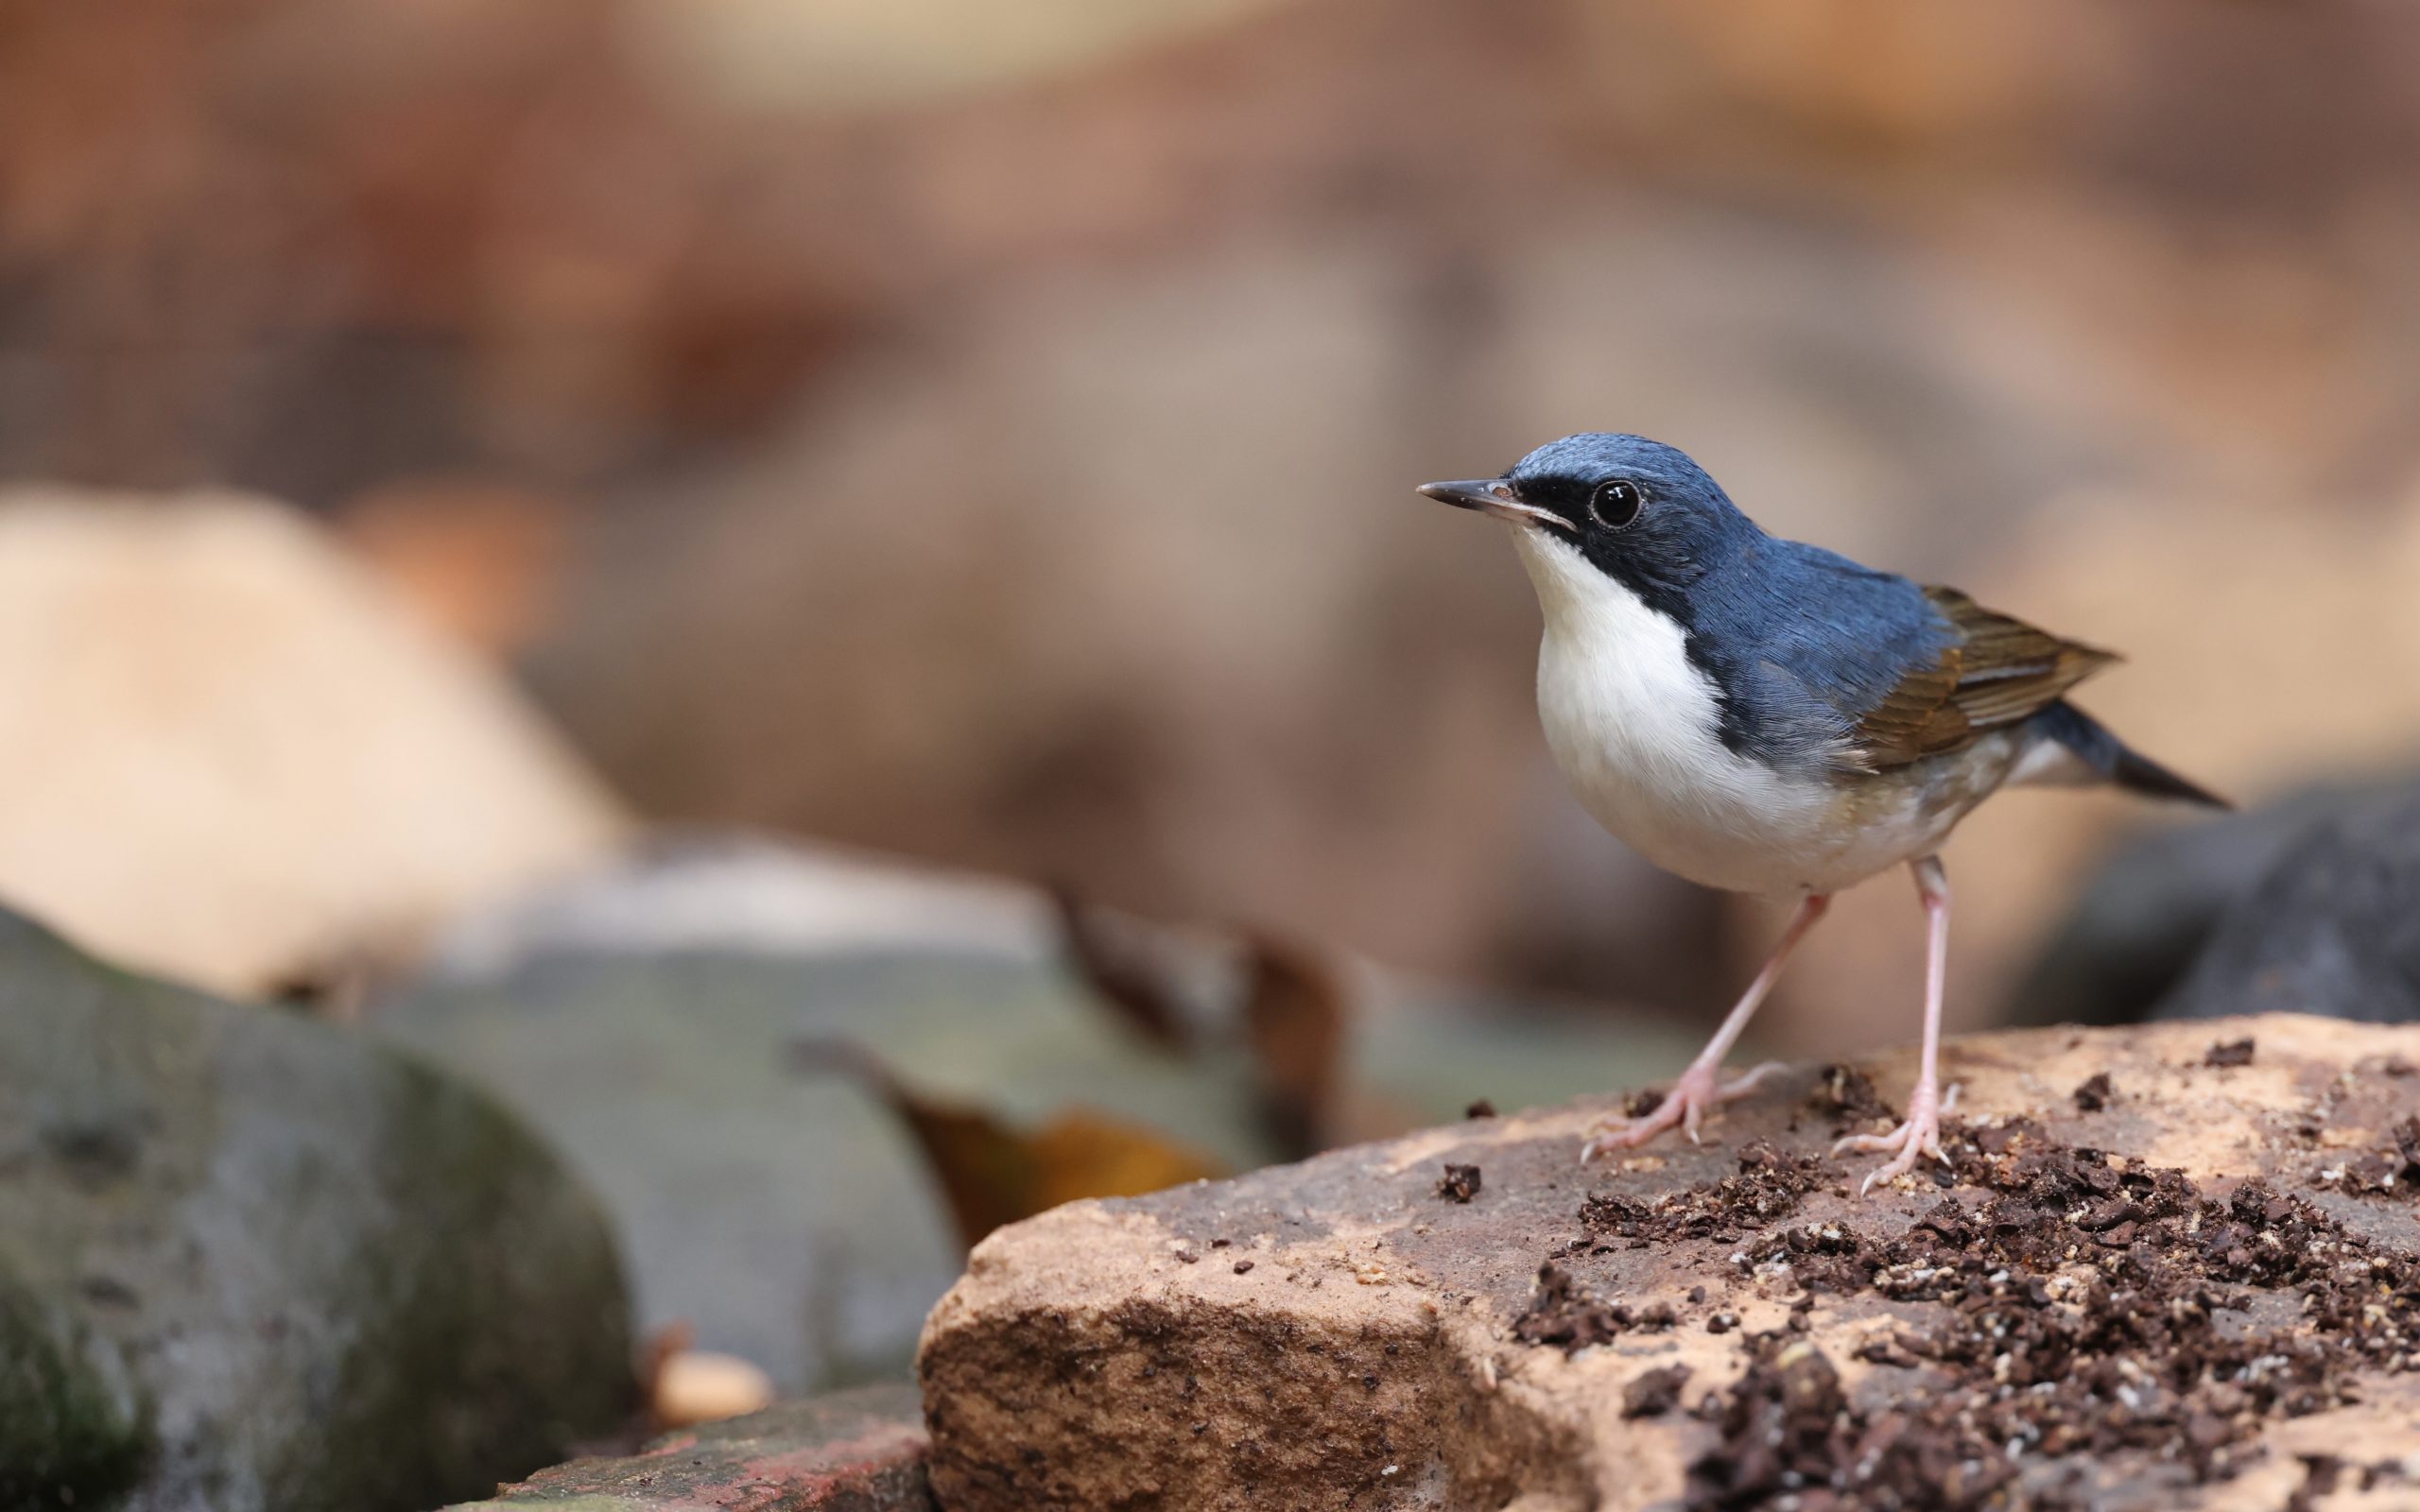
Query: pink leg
[
  {"x": 1700, "y": 1086},
  {"x": 1921, "y": 1133}
]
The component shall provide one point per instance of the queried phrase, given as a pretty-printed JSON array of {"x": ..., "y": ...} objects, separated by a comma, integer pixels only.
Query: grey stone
[
  {"x": 71, "y": 1422},
  {"x": 788, "y": 1219},
  {"x": 2157, "y": 900},
  {"x": 249, "y": 1260},
  {"x": 2333, "y": 927}
]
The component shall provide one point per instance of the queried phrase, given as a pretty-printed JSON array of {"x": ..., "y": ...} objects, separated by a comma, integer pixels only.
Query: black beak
[{"x": 1492, "y": 497}]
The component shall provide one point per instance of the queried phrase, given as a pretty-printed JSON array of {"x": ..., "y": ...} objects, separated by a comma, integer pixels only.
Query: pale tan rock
[
  {"x": 1337, "y": 1333},
  {"x": 228, "y": 751},
  {"x": 706, "y": 1386}
]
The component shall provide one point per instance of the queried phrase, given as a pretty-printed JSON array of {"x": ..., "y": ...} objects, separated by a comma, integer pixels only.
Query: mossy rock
[
  {"x": 860, "y": 1451},
  {"x": 253, "y": 1261},
  {"x": 70, "y": 1424}
]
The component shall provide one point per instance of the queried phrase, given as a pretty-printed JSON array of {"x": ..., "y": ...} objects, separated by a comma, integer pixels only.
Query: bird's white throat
[
  {"x": 1637, "y": 728},
  {"x": 1614, "y": 679}
]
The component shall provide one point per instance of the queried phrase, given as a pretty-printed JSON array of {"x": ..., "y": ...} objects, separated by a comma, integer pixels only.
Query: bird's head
[{"x": 1636, "y": 510}]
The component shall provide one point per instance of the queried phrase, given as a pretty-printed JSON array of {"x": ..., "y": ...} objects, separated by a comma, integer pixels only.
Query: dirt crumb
[
  {"x": 1655, "y": 1392},
  {"x": 1768, "y": 1186},
  {"x": 1567, "y": 1317},
  {"x": 2084, "y": 1306},
  {"x": 1846, "y": 1095},
  {"x": 2393, "y": 1169},
  {"x": 2093, "y": 1093},
  {"x": 2061, "y": 1306},
  {"x": 1460, "y": 1184},
  {"x": 2232, "y": 1052}
]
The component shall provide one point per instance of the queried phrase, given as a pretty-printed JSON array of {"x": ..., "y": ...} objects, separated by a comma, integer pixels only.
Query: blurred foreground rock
[
  {"x": 248, "y": 1261},
  {"x": 2146, "y": 1282},
  {"x": 230, "y": 752},
  {"x": 859, "y": 1451},
  {"x": 642, "y": 1015}
]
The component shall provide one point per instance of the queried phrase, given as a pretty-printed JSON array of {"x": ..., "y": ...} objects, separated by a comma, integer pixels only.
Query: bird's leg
[
  {"x": 1701, "y": 1087},
  {"x": 1921, "y": 1133}
]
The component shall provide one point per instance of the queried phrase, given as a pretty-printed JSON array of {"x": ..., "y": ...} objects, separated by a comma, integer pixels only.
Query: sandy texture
[{"x": 2199, "y": 1292}]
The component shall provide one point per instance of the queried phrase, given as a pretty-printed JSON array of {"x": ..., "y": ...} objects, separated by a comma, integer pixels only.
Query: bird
[{"x": 1765, "y": 716}]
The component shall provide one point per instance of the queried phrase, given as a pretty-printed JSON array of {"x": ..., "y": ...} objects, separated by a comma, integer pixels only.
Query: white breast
[{"x": 1636, "y": 729}]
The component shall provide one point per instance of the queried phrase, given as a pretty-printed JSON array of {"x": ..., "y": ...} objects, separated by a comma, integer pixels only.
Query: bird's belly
[
  {"x": 1642, "y": 757},
  {"x": 1774, "y": 835},
  {"x": 1750, "y": 836}
]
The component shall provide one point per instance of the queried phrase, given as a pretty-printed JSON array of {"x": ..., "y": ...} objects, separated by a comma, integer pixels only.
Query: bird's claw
[
  {"x": 1695, "y": 1091},
  {"x": 1920, "y": 1135}
]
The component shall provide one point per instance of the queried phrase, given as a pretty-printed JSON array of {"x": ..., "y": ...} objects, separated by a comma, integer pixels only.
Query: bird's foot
[
  {"x": 1919, "y": 1135},
  {"x": 1697, "y": 1089}
]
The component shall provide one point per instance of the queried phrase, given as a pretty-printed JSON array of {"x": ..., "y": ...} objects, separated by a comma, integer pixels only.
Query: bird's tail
[{"x": 2113, "y": 761}]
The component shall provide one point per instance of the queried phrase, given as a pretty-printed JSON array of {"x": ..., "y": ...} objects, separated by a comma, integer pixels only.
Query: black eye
[{"x": 1615, "y": 504}]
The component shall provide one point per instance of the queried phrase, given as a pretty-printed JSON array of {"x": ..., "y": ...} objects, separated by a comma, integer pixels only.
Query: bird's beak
[{"x": 1490, "y": 496}]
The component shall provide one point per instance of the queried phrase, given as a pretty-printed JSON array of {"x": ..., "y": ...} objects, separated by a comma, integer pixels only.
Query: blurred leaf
[
  {"x": 1295, "y": 1015},
  {"x": 477, "y": 558},
  {"x": 991, "y": 1174},
  {"x": 1130, "y": 980}
]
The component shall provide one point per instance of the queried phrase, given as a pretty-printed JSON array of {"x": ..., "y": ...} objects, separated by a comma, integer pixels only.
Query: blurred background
[{"x": 577, "y": 535}]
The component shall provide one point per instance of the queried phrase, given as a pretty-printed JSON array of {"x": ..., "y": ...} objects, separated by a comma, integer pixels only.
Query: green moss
[{"x": 68, "y": 1426}]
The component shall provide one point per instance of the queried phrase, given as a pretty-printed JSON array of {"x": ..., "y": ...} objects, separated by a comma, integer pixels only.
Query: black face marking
[{"x": 1657, "y": 531}]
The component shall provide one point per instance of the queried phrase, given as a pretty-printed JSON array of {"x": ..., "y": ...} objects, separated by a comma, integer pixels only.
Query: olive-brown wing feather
[{"x": 1995, "y": 671}]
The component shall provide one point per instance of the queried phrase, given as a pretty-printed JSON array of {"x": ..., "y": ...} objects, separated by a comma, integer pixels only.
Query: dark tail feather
[
  {"x": 2112, "y": 758},
  {"x": 2141, "y": 774}
]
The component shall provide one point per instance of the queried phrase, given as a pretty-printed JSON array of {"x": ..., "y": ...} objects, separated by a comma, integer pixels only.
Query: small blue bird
[{"x": 1765, "y": 716}]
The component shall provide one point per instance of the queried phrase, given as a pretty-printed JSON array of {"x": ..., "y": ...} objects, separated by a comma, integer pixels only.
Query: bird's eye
[{"x": 1615, "y": 504}]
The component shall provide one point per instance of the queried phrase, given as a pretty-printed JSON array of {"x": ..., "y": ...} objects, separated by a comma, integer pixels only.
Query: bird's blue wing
[
  {"x": 1837, "y": 643},
  {"x": 1859, "y": 670}
]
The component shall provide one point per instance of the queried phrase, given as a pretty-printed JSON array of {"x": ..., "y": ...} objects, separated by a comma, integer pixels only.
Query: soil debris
[
  {"x": 1768, "y": 1187},
  {"x": 1481, "y": 1108},
  {"x": 1654, "y": 1392},
  {"x": 1567, "y": 1317},
  {"x": 2232, "y": 1052},
  {"x": 2072, "y": 1304},
  {"x": 2093, "y": 1093},
  {"x": 1790, "y": 1437},
  {"x": 1846, "y": 1095},
  {"x": 1460, "y": 1184},
  {"x": 2087, "y": 1305},
  {"x": 2389, "y": 1170}
]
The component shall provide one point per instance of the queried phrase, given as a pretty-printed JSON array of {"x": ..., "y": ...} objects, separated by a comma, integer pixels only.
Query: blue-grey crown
[{"x": 1593, "y": 455}]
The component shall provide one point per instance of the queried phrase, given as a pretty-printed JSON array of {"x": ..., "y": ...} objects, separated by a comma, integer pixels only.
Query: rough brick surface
[{"x": 2191, "y": 1286}]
